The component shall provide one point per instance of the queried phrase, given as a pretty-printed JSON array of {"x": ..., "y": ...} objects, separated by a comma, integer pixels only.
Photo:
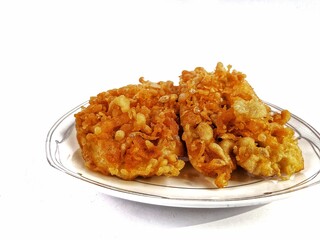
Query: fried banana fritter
[
  {"x": 225, "y": 124},
  {"x": 132, "y": 131}
]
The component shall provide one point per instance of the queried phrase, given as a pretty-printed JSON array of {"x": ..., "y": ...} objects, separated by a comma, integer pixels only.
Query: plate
[{"x": 190, "y": 188}]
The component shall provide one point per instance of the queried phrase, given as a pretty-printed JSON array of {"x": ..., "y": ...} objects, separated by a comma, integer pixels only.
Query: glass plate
[{"x": 189, "y": 189}]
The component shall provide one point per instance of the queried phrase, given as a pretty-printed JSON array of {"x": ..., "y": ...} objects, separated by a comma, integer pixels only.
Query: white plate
[{"x": 189, "y": 189}]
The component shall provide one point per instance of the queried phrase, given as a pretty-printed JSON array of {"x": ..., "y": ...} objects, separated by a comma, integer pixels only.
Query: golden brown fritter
[
  {"x": 225, "y": 124},
  {"x": 132, "y": 131},
  {"x": 200, "y": 103}
]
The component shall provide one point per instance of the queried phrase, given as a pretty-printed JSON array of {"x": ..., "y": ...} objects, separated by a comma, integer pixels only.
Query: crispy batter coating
[
  {"x": 200, "y": 103},
  {"x": 132, "y": 131},
  {"x": 225, "y": 124},
  {"x": 135, "y": 130}
]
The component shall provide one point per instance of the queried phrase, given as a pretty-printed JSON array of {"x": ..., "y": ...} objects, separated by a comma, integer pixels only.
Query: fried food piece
[
  {"x": 132, "y": 131},
  {"x": 226, "y": 124},
  {"x": 264, "y": 145},
  {"x": 200, "y": 104},
  {"x": 273, "y": 151}
]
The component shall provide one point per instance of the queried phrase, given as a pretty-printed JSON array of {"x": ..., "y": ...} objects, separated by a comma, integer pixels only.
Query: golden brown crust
[
  {"x": 225, "y": 124},
  {"x": 132, "y": 131},
  {"x": 200, "y": 103}
]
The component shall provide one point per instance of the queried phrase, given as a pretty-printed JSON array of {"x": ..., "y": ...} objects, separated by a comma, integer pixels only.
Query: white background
[{"x": 54, "y": 55}]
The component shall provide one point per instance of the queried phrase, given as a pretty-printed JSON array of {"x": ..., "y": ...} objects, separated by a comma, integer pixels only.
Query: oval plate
[{"x": 190, "y": 188}]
